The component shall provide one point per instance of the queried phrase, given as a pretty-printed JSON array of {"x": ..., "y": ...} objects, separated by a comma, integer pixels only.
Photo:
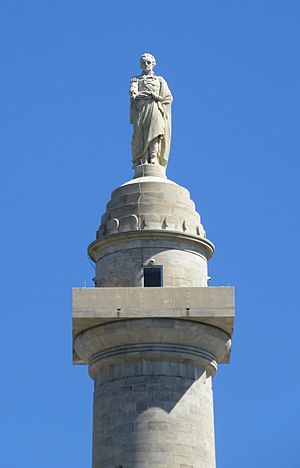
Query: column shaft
[{"x": 153, "y": 414}]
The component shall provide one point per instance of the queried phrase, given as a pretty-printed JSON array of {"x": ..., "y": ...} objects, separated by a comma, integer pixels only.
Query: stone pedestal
[{"x": 149, "y": 170}]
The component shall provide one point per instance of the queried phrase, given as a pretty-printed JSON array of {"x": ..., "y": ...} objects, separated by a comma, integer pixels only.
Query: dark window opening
[{"x": 152, "y": 276}]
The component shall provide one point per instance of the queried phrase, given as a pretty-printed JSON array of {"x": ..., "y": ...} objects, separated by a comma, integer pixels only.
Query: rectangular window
[{"x": 152, "y": 276}]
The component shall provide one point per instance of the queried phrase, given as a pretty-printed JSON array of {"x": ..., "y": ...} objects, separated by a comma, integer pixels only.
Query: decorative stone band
[
  {"x": 203, "y": 245},
  {"x": 156, "y": 339},
  {"x": 154, "y": 351}
]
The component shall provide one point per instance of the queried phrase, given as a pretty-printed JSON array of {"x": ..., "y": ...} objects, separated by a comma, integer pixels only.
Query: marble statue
[{"x": 150, "y": 114}]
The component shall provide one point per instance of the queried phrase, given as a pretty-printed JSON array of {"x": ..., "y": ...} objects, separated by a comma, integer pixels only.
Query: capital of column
[{"x": 153, "y": 339}]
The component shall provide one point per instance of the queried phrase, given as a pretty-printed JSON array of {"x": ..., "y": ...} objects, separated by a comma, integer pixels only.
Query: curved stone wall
[
  {"x": 159, "y": 413},
  {"x": 119, "y": 259}
]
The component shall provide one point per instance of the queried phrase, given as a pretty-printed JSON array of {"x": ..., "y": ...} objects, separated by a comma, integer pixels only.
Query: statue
[{"x": 150, "y": 114}]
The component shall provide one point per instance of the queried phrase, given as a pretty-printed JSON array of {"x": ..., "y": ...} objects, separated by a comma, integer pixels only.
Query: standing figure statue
[{"x": 150, "y": 114}]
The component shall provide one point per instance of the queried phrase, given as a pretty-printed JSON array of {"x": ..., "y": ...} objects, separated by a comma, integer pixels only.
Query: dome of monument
[
  {"x": 150, "y": 218},
  {"x": 151, "y": 203}
]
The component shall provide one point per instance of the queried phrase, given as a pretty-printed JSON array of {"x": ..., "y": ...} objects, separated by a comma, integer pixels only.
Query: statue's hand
[
  {"x": 156, "y": 97},
  {"x": 134, "y": 95}
]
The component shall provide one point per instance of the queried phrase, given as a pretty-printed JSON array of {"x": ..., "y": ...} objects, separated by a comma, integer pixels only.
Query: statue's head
[{"x": 147, "y": 62}]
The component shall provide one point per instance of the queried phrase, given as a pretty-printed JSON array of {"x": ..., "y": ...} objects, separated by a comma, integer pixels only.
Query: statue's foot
[{"x": 153, "y": 160}]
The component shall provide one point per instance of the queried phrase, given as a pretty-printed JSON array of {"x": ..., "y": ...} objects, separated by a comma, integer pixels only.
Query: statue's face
[{"x": 146, "y": 65}]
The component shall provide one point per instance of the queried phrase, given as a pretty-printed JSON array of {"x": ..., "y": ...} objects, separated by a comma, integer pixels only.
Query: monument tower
[{"x": 152, "y": 332}]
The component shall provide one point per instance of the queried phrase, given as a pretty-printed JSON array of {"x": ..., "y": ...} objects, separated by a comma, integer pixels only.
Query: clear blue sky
[{"x": 233, "y": 68}]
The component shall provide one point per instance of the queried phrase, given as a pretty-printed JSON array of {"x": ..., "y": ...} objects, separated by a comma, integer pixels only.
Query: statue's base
[{"x": 150, "y": 170}]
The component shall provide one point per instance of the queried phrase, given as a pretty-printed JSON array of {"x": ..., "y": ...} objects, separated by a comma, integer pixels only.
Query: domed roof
[{"x": 151, "y": 203}]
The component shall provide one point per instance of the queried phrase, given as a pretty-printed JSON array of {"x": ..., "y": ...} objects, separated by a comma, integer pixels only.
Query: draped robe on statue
[{"x": 151, "y": 118}]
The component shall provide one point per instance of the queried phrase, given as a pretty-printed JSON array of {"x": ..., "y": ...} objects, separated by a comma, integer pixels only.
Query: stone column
[
  {"x": 153, "y": 403},
  {"x": 152, "y": 351}
]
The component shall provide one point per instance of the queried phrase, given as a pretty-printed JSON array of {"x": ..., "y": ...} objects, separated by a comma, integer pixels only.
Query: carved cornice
[{"x": 153, "y": 234}]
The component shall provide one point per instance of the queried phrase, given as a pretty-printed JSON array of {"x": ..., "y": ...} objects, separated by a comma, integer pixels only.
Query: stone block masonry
[
  {"x": 153, "y": 392},
  {"x": 155, "y": 415}
]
